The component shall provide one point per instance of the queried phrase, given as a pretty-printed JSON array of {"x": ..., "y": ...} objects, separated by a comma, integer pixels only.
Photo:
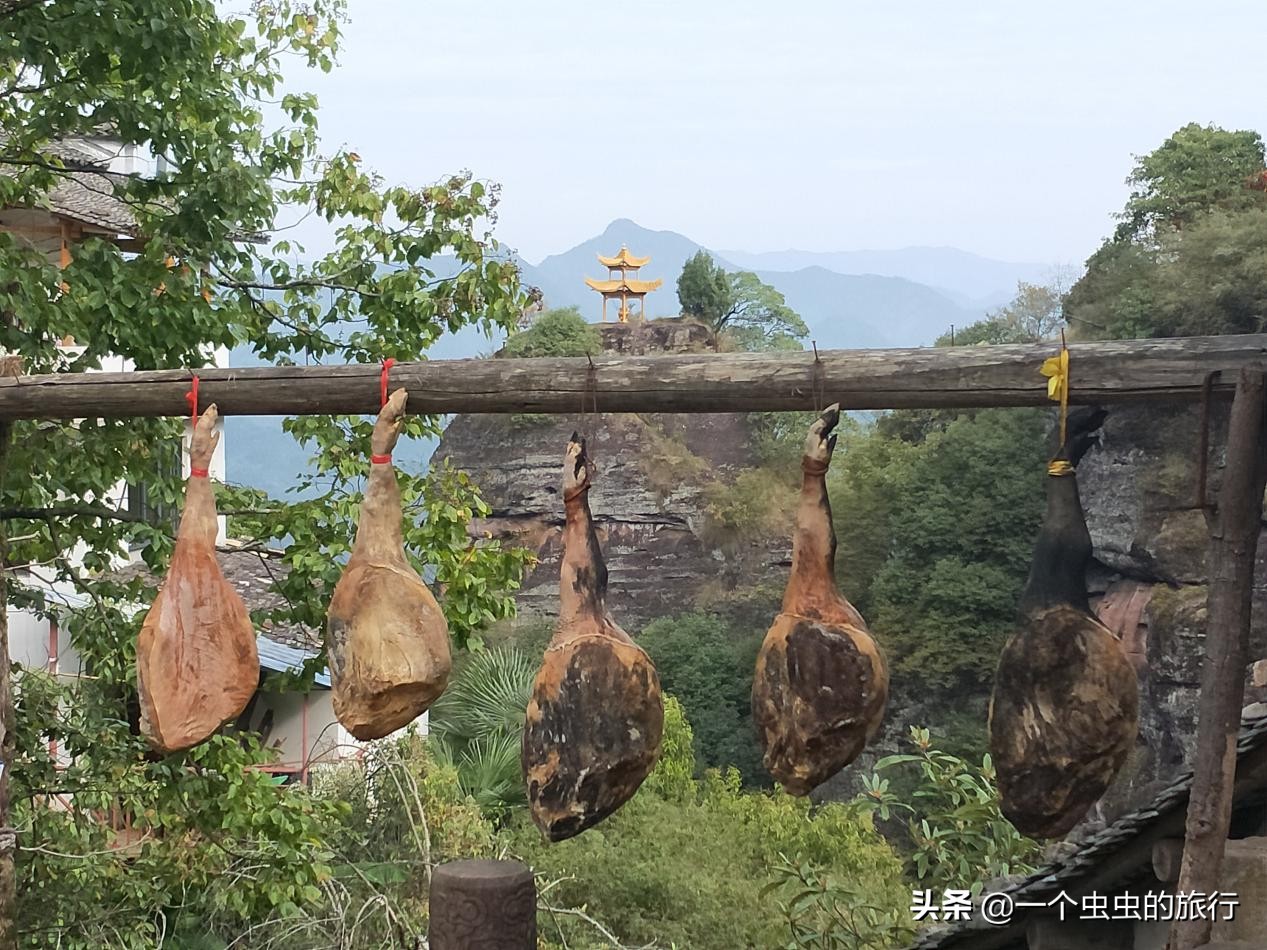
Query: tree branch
[
  {"x": 93, "y": 511},
  {"x": 73, "y": 511}
]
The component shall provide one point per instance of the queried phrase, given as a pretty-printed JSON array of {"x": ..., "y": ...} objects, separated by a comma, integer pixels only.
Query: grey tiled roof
[
  {"x": 88, "y": 196},
  {"x": 87, "y": 193},
  {"x": 1064, "y": 874}
]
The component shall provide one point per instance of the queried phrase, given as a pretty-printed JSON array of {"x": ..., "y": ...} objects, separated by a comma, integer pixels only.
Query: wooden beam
[
  {"x": 1234, "y": 529},
  {"x": 928, "y": 377}
]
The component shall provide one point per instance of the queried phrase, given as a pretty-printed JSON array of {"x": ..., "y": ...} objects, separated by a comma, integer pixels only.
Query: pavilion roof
[
  {"x": 623, "y": 259},
  {"x": 623, "y": 286}
]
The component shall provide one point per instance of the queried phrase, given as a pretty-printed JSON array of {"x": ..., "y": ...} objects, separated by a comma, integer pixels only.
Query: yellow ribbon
[{"x": 1056, "y": 369}]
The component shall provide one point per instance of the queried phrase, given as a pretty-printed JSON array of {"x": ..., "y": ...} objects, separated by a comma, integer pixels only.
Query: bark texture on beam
[
  {"x": 927, "y": 377},
  {"x": 1234, "y": 530}
]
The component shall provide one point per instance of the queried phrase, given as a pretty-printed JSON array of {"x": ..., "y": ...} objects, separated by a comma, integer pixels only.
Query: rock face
[
  {"x": 649, "y": 508},
  {"x": 1149, "y": 581}
]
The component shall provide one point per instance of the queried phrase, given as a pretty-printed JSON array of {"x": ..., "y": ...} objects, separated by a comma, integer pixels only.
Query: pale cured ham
[
  {"x": 593, "y": 725},
  {"x": 387, "y": 640},
  {"x": 1064, "y": 710},
  {"x": 196, "y": 662},
  {"x": 821, "y": 682}
]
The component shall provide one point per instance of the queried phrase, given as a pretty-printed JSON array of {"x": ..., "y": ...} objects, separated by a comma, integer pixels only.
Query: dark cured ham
[
  {"x": 1064, "y": 710},
  {"x": 594, "y": 721},
  {"x": 821, "y": 682},
  {"x": 196, "y": 661}
]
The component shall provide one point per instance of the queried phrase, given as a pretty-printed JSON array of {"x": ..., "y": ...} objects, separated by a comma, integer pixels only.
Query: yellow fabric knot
[
  {"x": 1059, "y": 467},
  {"x": 1057, "y": 370}
]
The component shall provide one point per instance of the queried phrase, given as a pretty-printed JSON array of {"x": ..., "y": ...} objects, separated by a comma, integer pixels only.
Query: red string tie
[
  {"x": 191, "y": 397},
  {"x": 381, "y": 459},
  {"x": 382, "y": 380}
]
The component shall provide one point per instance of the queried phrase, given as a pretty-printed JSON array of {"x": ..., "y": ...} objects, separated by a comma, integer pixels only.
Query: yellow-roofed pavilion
[{"x": 620, "y": 285}]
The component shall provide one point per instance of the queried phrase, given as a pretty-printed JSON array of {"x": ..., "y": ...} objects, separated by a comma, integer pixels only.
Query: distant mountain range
[
  {"x": 905, "y": 297},
  {"x": 968, "y": 278}
]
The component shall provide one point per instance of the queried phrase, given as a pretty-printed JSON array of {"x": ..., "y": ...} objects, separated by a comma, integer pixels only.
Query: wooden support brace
[
  {"x": 1234, "y": 529},
  {"x": 10, "y": 366},
  {"x": 927, "y": 377}
]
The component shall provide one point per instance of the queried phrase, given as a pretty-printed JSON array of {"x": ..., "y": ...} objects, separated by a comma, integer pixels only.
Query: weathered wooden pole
[
  {"x": 1234, "y": 524},
  {"x": 482, "y": 905},
  {"x": 9, "y": 366},
  {"x": 924, "y": 377}
]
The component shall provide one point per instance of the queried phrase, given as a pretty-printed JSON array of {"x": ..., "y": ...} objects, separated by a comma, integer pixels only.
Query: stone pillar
[{"x": 482, "y": 905}]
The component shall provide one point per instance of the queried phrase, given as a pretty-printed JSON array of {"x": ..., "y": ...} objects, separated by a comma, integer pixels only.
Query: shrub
[
  {"x": 708, "y": 667},
  {"x": 758, "y": 504},
  {"x": 959, "y": 837},
  {"x": 683, "y": 862},
  {"x": 562, "y": 332}
]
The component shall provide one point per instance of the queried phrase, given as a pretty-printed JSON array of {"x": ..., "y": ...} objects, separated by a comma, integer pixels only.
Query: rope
[
  {"x": 1056, "y": 369},
  {"x": 588, "y": 414},
  {"x": 191, "y": 397},
  {"x": 383, "y": 379},
  {"x": 817, "y": 386}
]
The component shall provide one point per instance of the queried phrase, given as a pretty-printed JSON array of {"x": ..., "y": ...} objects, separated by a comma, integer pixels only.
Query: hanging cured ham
[
  {"x": 821, "y": 682},
  {"x": 386, "y": 638},
  {"x": 594, "y": 721},
  {"x": 196, "y": 663},
  {"x": 1064, "y": 711}
]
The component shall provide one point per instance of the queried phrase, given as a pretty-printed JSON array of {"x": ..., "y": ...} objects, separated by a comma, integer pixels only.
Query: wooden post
[
  {"x": 9, "y": 366},
  {"x": 482, "y": 905},
  {"x": 1234, "y": 528}
]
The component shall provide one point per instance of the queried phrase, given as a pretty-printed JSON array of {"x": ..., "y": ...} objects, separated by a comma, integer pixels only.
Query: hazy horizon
[{"x": 1000, "y": 129}]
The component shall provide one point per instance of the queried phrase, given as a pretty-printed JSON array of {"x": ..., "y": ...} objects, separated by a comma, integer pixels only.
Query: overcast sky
[{"x": 1001, "y": 128}]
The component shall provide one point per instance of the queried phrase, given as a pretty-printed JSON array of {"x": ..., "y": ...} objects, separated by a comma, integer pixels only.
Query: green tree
[
  {"x": 708, "y": 668},
  {"x": 203, "y": 89},
  {"x": 971, "y": 499},
  {"x": 560, "y": 332},
  {"x": 1034, "y": 314},
  {"x": 1185, "y": 258},
  {"x": 1197, "y": 170},
  {"x": 747, "y": 312},
  {"x": 683, "y": 863},
  {"x": 957, "y": 831}
]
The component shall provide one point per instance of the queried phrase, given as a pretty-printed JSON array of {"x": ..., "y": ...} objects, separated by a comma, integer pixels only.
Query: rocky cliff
[
  {"x": 648, "y": 499},
  {"x": 1140, "y": 491},
  {"x": 651, "y": 502}
]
